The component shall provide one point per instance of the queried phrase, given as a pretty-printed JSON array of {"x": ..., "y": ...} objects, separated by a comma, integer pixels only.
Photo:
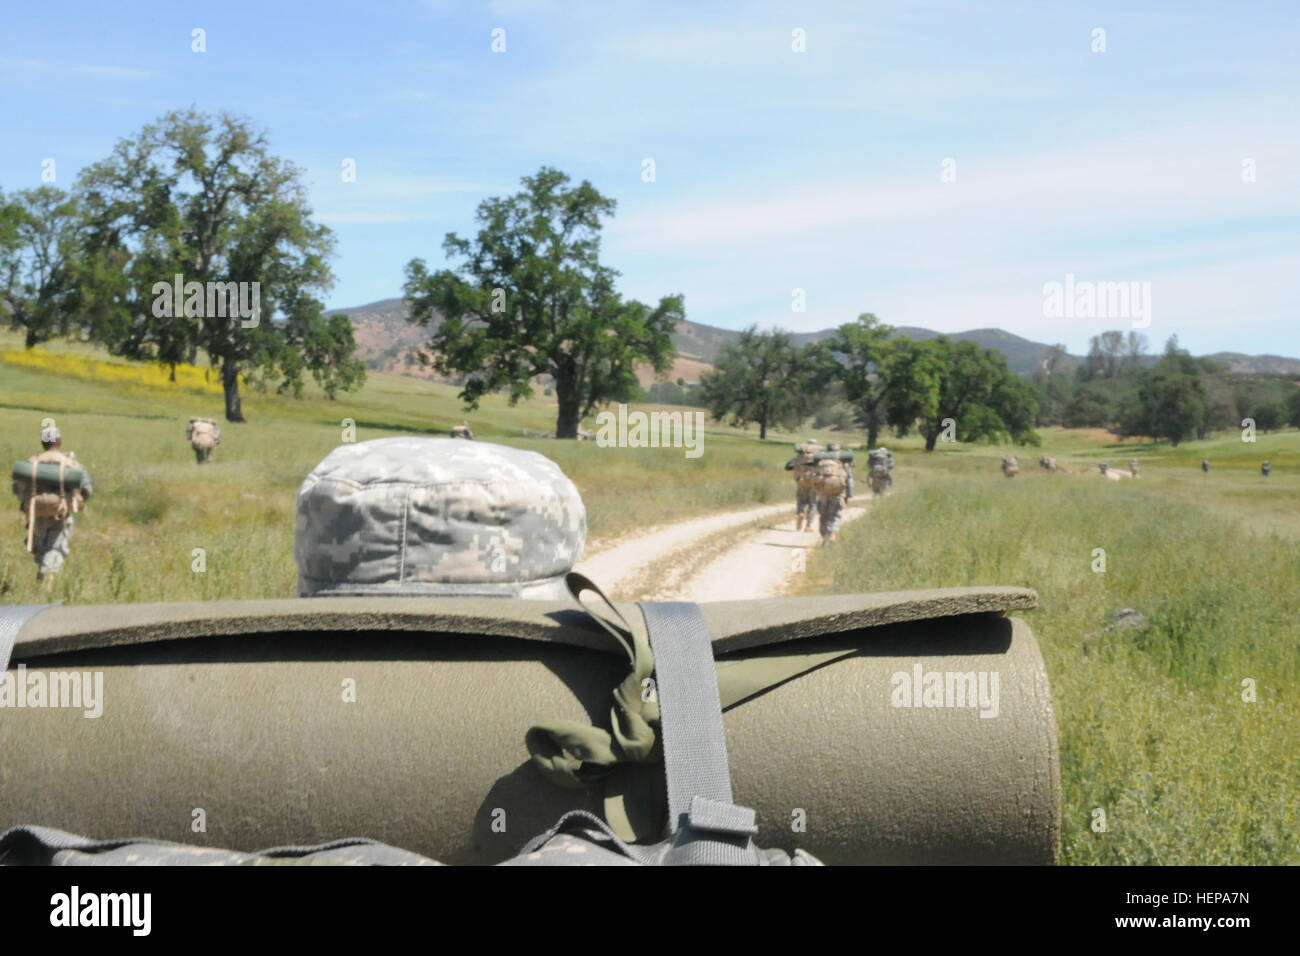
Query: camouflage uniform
[
  {"x": 51, "y": 537},
  {"x": 830, "y": 508},
  {"x": 1205, "y": 465},
  {"x": 437, "y": 516},
  {"x": 1133, "y": 467},
  {"x": 1010, "y": 466},
  {"x": 805, "y": 499},
  {"x": 880, "y": 467},
  {"x": 1265, "y": 468}
]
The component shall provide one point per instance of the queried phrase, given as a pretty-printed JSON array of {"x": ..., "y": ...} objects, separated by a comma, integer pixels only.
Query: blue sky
[{"x": 775, "y": 170}]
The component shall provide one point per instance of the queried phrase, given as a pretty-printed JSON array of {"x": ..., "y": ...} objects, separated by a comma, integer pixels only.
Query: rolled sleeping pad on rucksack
[
  {"x": 842, "y": 454},
  {"x": 854, "y": 724},
  {"x": 47, "y": 476}
]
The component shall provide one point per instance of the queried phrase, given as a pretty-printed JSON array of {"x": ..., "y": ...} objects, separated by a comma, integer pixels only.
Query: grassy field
[
  {"x": 153, "y": 505},
  {"x": 1152, "y": 723},
  {"x": 1153, "y": 727}
]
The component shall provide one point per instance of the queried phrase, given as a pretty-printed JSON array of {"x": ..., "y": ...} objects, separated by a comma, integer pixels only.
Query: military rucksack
[
  {"x": 53, "y": 503},
  {"x": 204, "y": 433},
  {"x": 831, "y": 478},
  {"x": 805, "y": 470}
]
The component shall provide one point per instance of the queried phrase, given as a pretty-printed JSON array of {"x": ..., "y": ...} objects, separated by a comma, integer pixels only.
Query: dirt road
[{"x": 731, "y": 556}]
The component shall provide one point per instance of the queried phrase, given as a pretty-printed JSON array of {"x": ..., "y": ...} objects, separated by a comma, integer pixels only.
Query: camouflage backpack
[
  {"x": 204, "y": 433},
  {"x": 878, "y": 462},
  {"x": 831, "y": 478},
  {"x": 53, "y": 504},
  {"x": 805, "y": 468}
]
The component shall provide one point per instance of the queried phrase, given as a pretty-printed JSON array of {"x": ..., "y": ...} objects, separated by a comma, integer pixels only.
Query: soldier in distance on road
[
  {"x": 1104, "y": 467},
  {"x": 1205, "y": 465},
  {"x": 1265, "y": 468},
  {"x": 49, "y": 513},
  {"x": 1010, "y": 466},
  {"x": 462, "y": 431},
  {"x": 834, "y": 488},
  {"x": 1048, "y": 463},
  {"x": 1133, "y": 467},
  {"x": 409, "y": 517},
  {"x": 804, "y": 466}
]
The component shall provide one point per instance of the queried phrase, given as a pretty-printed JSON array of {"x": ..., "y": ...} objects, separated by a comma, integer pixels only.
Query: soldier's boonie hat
[
  {"x": 410, "y": 517},
  {"x": 50, "y": 435}
]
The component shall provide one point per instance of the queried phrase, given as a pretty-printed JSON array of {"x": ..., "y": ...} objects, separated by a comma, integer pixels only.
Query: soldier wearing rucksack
[
  {"x": 834, "y": 486},
  {"x": 49, "y": 503},
  {"x": 880, "y": 466},
  {"x": 204, "y": 435},
  {"x": 804, "y": 466}
]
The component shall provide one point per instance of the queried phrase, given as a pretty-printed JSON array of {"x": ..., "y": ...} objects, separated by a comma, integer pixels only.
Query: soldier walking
[
  {"x": 1205, "y": 465},
  {"x": 203, "y": 434},
  {"x": 804, "y": 466},
  {"x": 1010, "y": 466},
  {"x": 1265, "y": 468},
  {"x": 49, "y": 512},
  {"x": 834, "y": 488},
  {"x": 880, "y": 466},
  {"x": 1133, "y": 467}
]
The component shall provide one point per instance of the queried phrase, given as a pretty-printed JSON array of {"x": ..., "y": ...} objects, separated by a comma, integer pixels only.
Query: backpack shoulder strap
[{"x": 706, "y": 827}]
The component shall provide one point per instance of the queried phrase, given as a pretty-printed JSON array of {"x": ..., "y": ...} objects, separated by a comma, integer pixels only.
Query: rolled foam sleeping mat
[
  {"x": 843, "y": 455},
  {"x": 235, "y": 713},
  {"x": 47, "y": 476}
]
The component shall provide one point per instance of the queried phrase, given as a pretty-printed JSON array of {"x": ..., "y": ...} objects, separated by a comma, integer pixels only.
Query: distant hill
[{"x": 385, "y": 340}]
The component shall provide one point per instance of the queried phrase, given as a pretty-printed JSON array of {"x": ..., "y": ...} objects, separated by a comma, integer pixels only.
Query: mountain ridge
[{"x": 385, "y": 340}]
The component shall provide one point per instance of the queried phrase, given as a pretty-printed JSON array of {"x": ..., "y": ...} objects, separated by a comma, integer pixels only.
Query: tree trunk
[
  {"x": 566, "y": 423},
  {"x": 873, "y": 432},
  {"x": 31, "y": 340},
  {"x": 762, "y": 429},
  {"x": 230, "y": 382},
  {"x": 569, "y": 416}
]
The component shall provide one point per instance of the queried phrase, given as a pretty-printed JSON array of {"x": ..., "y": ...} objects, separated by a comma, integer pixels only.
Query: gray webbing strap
[
  {"x": 12, "y": 620},
  {"x": 707, "y": 828}
]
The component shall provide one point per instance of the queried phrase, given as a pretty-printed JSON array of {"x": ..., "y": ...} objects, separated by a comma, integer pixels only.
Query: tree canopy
[
  {"x": 203, "y": 199},
  {"x": 531, "y": 298},
  {"x": 766, "y": 380}
]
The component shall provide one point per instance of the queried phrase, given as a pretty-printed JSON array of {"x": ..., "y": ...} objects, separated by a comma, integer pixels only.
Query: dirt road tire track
[{"x": 760, "y": 565}]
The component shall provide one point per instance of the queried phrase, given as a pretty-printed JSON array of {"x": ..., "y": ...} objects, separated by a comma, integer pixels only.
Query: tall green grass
[{"x": 1153, "y": 727}]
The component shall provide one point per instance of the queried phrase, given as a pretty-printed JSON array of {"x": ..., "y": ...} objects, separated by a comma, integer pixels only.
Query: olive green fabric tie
[{"x": 572, "y": 754}]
